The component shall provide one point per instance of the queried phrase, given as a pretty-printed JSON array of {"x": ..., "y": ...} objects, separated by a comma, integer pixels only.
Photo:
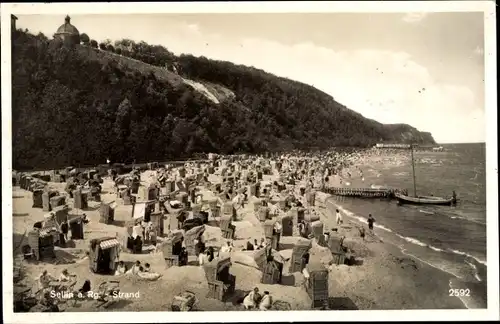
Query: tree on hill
[
  {"x": 84, "y": 39},
  {"x": 94, "y": 44},
  {"x": 102, "y": 46},
  {"x": 110, "y": 48},
  {"x": 42, "y": 36},
  {"x": 118, "y": 51}
]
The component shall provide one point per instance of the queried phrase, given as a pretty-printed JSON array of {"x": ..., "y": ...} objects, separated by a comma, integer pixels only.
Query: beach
[{"x": 387, "y": 275}]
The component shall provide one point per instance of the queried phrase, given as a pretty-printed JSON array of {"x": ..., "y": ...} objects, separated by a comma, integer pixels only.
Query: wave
[
  {"x": 483, "y": 262},
  {"x": 454, "y": 214},
  {"x": 432, "y": 265},
  {"x": 468, "y": 219},
  {"x": 408, "y": 239},
  {"x": 383, "y": 228},
  {"x": 419, "y": 243},
  {"x": 476, "y": 273},
  {"x": 435, "y": 248},
  {"x": 412, "y": 240}
]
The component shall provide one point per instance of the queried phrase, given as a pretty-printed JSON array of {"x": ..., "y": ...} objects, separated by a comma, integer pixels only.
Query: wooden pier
[{"x": 361, "y": 192}]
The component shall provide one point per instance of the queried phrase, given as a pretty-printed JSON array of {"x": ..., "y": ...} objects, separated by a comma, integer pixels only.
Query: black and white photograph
[{"x": 186, "y": 162}]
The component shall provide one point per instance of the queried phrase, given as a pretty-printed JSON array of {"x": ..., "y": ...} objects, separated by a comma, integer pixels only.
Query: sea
[{"x": 452, "y": 239}]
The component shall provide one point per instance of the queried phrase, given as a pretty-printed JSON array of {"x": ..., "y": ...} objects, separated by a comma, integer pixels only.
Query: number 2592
[{"x": 459, "y": 292}]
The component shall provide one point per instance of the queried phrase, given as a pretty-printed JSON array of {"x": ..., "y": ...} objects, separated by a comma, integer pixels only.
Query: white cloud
[{"x": 414, "y": 17}]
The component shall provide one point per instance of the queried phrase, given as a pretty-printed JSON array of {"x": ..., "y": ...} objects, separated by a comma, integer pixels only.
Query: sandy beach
[{"x": 383, "y": 277}]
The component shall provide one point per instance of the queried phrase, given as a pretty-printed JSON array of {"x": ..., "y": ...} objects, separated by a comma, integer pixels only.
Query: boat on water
[
  {"x": 404, "y": 198},
  {"x": 424, "y": 200}
]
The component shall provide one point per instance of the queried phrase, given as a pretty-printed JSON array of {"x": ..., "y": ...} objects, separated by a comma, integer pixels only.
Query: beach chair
[
  {"x": 335, "y": 244},
  {"x": 184, "y": 302},
  {"x": 227, "y": 227},
  {"x": 272, "y": 272},
  {"x": 316, "y": 284},
  {"x": 221, "y": 283},
  {"x": 172, "y": 250},
  {"x": 300, "y": 256}
]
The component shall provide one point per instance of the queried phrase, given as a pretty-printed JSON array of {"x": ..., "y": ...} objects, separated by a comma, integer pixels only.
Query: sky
[{"x": 423, "y": 69}]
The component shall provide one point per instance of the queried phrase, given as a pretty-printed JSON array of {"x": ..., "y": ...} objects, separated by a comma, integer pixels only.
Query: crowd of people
[{"x": 293, "y": 168}]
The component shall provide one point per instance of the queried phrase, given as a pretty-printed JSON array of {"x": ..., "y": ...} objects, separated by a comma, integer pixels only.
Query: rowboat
[{"x": 423, "y": 200}]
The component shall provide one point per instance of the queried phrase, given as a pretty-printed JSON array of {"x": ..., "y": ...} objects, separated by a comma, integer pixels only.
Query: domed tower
[{"x": 68, "y": 33}]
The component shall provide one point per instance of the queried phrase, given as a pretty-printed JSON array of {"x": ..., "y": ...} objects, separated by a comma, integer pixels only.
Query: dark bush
[{"x": 84, "y": 39}]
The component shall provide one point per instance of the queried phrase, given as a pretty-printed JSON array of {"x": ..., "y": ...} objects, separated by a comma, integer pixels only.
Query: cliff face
[
  {"x": 83, "y": 105},
  {"x": 403, "y": 133}
]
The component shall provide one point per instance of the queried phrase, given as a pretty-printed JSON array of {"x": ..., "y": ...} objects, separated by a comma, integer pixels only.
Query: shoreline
[{"x": 386, "y": 248}]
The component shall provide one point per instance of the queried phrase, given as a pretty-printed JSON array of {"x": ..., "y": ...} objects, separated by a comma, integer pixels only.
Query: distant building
[
  {"x": 68, "y": 33},
  {"x": 13, "y": 22}
]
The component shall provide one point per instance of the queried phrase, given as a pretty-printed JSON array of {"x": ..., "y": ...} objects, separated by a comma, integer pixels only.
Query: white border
[{"x": 488, "y": 7}]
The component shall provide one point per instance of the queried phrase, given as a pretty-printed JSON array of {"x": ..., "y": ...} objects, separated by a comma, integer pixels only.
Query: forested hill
[{"x": 81, "y": 105}]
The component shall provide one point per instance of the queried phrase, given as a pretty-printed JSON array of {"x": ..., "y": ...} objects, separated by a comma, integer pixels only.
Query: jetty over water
[
  {"x": 361, "y": 192},
  {"x": 392, "y": 146}
]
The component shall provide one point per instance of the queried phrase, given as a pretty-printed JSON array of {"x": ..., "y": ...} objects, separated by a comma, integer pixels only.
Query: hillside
[{"x": 82, "y": 105}]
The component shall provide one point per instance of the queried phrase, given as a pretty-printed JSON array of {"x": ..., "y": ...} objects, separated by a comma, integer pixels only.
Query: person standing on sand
[
  {"x": 362, "y": 233},
  {"x": 64, "y": 229},
  {"x": 371, "y": 220},
  {"x": 338, "y": 217}
]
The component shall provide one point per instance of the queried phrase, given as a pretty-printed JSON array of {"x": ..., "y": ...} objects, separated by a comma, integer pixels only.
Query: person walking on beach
[
  {"x": 338, "y": 217},
  {"x": 362, "y": 233},
  {"x": 371, "y": 220}
]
